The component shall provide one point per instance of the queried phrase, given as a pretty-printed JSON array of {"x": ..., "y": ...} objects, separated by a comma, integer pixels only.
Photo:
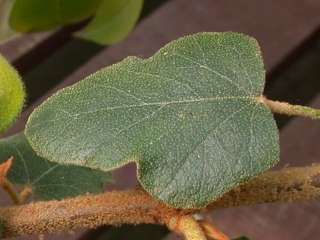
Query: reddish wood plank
[{"x": 16, "y": 47}]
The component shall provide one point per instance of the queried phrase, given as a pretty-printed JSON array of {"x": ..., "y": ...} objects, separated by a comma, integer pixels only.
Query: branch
[
  {"x": 211, "y": 231},
  {"x": 136, "y": 206},
  {"x": 10, "y": 189},
  {"x": 112, "y": 208},
  {"x": 291, "y": 110},
  {"x": 5, "y": 183},
  {"x": 292, "y": 184},
  {"x": 188, "y": 227}
]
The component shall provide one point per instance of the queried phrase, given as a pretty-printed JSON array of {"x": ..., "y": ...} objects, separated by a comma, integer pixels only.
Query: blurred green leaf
[
  {"x": 113, "y": 21},
  {"x": 39, "y": 15},
  {"x": 241, "y": 238},
  {"x": 6, "y": 33},
  {"x": 48, "y": 180},
  {"x": 11, "y": 94}
]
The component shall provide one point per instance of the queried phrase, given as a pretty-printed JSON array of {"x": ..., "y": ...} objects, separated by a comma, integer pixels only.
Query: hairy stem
[
  {"x": 136, "y": 206},
  {"x": 292, "y": 184},
  {"x": 10, "y": 189},
  {"x": 25, "y": 194},
  {"x": 211, "y": 231},
  {"x": 291, "y": 110},
  {"x": 112, "y": 208},
  {"x": 188, "y": 227}
]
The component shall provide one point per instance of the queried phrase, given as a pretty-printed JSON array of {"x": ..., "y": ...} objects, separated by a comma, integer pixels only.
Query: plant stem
[
  {"x": 291, "y": 110},
  {"x": 212, "y": 232},
  {"x": 25, "y": 194},
  {"x": 187, "y": 226},
  {"x": 137, "y": 207},
  {"x": 112, "y": 208},
  {"x": 10, "y": 189},
  {"x": 292, "y": 184}
]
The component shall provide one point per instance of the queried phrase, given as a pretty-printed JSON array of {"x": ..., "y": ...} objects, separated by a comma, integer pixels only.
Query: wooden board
[{"x": 279, "y": 26}]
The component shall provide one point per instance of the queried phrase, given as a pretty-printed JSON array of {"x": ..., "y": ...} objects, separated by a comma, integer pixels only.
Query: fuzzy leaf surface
[
  {"x": 48, "y": 180},
  {"x": 113, "y": 21},
  {"x": 188, "y": 116}
]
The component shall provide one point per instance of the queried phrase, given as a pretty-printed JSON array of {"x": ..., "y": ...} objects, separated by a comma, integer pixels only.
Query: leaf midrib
[
  {"x": 165, "y": 103},
  {"x": 162, "y": 104}
]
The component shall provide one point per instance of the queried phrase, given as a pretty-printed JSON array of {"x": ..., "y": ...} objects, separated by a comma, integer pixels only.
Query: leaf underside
[
  {"x": 48, "y": 180},
  {"x": 188, "y": 116}
]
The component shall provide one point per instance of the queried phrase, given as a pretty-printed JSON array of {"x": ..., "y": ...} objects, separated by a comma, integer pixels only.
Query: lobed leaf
[
  {"x": 190, "y": 117},
  {"x": 48, "y": 180},
  {"x": 113, "y": 21},
  {"x": 11, "y": 94},
  {"x": 40, "y": 15}
]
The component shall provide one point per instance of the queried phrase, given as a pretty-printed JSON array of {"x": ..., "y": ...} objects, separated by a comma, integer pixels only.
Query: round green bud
[{"x": 11, "y": 94}]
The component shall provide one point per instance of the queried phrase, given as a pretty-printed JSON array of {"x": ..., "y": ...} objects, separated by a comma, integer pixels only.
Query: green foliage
[
  {"x": 188, "y": 116},
  {"x": 113, "y": 21},
  {"x": 11, "y": 94},
  {"x": 48, "y": 180},
  {"x": 39, "y": 15}
]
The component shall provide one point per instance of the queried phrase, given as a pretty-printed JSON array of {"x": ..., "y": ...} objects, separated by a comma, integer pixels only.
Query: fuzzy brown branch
[
  {"x": 292, "y": 184},
  {"x": 135, "y": 206},
  {"x": 188, "y": 227}
]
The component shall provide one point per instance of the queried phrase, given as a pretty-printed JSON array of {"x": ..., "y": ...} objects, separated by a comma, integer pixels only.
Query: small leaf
[
  {"x": 48, "y": 180},
  {"x": 6, "y": 33},
  {"x": 11, "y": 94},
  {"x": 40, "y": 15},
  {"x": 4, "y": 168},
  {"x": 189, "y": 117},
  {"x": 113, "y": 21}
]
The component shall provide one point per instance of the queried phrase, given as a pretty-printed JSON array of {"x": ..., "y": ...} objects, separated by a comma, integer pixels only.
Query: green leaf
[
  {"x": 6, "y": 33},
  {"x": 113, "y": 21},
  {"x": 189, "y": 117},
  {"x": 39, "y": 15},
  {"x": 48, "y": 180},
  {"x": 241, "y": 238},
  {"x": 11, "y": 94}
]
